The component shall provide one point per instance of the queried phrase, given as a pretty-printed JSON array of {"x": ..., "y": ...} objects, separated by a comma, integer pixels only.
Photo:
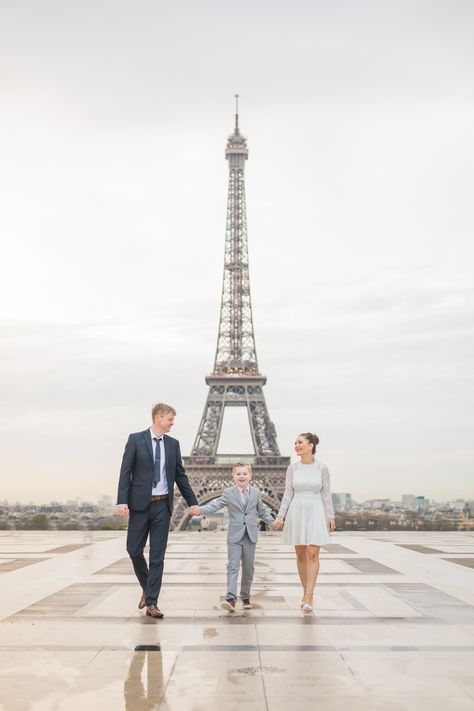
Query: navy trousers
[{"x": 155, "y": 523}]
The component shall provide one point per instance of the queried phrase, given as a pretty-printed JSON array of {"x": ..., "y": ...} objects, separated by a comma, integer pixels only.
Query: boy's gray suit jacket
[{"x": 240, "y": 518}]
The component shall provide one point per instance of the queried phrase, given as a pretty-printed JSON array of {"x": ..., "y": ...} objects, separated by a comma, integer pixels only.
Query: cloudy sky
[{"x": 359, "y": 116}]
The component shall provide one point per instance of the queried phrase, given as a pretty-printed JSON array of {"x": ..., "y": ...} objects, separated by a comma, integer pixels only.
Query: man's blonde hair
[
  {"x": 161, "y": 409},
  {"x": 242, "y": 464}
]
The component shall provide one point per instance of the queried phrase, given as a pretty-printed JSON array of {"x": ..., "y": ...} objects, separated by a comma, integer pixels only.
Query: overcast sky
[{"x": 359, "y": 116}]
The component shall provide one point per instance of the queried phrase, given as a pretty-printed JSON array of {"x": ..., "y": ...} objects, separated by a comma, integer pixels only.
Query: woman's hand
[
  {"x": 277, "y": 524},
  {"x": 331, "y": 525}
]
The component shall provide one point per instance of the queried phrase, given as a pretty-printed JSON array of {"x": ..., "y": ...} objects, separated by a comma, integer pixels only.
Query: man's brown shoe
[
  {"x": 141, "y": 604},
  {"x": 153, "y": 611}
]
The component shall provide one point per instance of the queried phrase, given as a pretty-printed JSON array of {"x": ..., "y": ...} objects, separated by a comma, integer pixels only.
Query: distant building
[
  {"x": 210, "y": 522},
  {"x": 410, "y": 501},
  {"x": 377, "y": 504},
  {"x": 87, "y": 507},
  {"x": 53, "y": 507},
  {"x": 342, "y": 502},
  {"x": 458, "y": 505}
]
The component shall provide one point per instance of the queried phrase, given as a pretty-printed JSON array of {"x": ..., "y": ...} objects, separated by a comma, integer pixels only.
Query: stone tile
[
  {"x": 304, "y": 675},
  {"x": 345, "y": 636},
  {"x": 6, "y": 566},
  {"x": 23, "y": 632},
  {"x": 26, "y": 662},
  {"x": 384, "y": 681},
  {"x": 337, "y": 548},
  {"x": 439, "y": 635},
  {"x": 381, "y": 603},
  {"x": 226, "y": 678},
  {"x": 399, "y": 672},
  {"x": 468, "y": 562},
  {"x": 69, "y": 547},
  {"x": 371, "y": 703},
  {"x": 367, "y": 565},
  {"x": 290, "y": 634},
  {"x": 71, "y": 629},
  {"x": 419, "y": 549}
]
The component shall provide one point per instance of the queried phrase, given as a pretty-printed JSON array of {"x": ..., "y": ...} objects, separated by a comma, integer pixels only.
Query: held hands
[
  {"x": 194, "y": 511},
  {"x": 277, "y": 525},
  {"x": 331, "y": 525}
]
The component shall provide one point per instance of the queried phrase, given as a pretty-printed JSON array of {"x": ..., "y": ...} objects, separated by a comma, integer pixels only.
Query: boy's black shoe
[
  {"x": 229, "y": 605},
  {"x": 246, "y": 603}
]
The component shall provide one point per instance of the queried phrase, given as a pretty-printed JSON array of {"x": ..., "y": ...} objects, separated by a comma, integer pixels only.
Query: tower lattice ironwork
[{"x": 236, "y": 380}]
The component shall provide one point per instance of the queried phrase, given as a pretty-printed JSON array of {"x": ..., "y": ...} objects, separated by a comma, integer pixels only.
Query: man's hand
[
  {"x": 277, "y": 525},
  {"x": 331, "y": 525},
  {"x": 194, "y": 511},
  {"x": 122, "y": 510}
]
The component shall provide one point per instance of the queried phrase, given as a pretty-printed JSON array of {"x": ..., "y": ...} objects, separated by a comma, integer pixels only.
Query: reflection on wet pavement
[
  {"x": 393, "y": 626},
  {"x": 138, "y": 695}
]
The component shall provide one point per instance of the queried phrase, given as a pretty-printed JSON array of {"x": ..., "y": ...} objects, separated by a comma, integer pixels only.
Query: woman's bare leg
[
  {"x": 301, "y": 565},
  {"x": 312, "y": 570}
]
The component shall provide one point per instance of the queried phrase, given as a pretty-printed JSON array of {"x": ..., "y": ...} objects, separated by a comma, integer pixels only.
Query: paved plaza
[{"x": 393, "y": 627}]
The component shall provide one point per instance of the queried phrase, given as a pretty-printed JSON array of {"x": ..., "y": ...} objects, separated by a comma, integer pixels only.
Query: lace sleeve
[
  {"x": 326, "y": 492},
  {"x": 288, "y": 495}
]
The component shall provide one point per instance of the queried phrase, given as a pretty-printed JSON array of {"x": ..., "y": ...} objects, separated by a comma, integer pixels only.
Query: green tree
[{"x": 39, "y": 522}]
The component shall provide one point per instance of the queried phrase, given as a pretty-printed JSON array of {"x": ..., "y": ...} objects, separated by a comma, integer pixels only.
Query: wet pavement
[{"x": 392, "y": 629}]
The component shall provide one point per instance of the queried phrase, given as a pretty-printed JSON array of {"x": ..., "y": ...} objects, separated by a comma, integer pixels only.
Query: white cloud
[{"x": 113, "y": 176}]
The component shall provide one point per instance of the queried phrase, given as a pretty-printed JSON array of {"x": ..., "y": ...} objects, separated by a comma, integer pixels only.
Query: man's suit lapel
[
  {"x": 167, "y": 444},
  {"x": 147, "y": 438}
]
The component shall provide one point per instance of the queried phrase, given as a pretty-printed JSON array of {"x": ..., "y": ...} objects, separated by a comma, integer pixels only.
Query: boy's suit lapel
[
  {"x": 255, "y": 492},
  {"x": 238, "y": 497},
  {"x": 249, "y": 500}
]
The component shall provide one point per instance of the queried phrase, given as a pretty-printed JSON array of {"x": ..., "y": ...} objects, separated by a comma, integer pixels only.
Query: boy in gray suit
[{"x": 243, "y": 503}]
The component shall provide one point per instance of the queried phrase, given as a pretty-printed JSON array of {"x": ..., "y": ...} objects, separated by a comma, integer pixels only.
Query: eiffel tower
[{"x": 236, "y": 380}]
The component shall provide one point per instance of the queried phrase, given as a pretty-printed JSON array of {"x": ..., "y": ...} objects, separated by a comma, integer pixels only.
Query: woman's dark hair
[{"x": 311, "y": 438}]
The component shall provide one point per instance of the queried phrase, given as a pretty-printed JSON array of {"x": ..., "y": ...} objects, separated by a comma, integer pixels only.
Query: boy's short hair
[
  {"x": 161, "y": 409},
  {"x": 241, "y": 464}
]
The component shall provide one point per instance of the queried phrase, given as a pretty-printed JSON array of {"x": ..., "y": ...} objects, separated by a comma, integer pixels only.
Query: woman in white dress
[{"x": 307, "y": 512}]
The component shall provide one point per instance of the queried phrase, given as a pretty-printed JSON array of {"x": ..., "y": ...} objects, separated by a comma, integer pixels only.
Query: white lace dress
[{"x": 307, "y": 504}]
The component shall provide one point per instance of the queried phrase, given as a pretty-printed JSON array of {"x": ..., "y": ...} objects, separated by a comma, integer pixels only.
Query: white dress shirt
[
  {"x": 242, "y": 494},
  {"x": 162, "y": 487}
]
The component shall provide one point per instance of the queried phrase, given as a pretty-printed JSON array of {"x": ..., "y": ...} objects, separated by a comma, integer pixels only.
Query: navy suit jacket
[{"x": 138, "y": 468}]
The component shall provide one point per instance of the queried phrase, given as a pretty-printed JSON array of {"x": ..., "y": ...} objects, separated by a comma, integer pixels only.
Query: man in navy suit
[{"x": 150, "y": 468}]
